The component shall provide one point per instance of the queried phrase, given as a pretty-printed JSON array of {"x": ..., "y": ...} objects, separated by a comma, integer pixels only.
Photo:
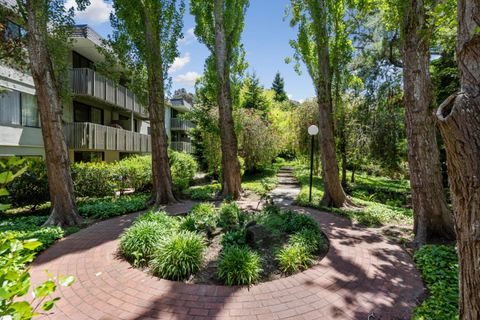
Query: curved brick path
[{"x": 363, "y": 276}]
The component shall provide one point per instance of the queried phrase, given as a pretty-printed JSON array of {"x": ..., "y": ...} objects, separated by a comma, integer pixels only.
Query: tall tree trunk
[
  {"x": 431, "y": 214},
  {"x": 334, "y": 196},
  {"x": 231, "y": 176},
  {"x": 162, "y": 178},
  {"x": 459, "y": 118},
  {"x": 64, "y": 212}
]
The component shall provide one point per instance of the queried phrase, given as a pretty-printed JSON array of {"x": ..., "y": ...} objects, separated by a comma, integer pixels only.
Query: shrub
[
  {"x": 275, "y": 220},
  {"x": 202, "y": 217},
  {"x": 183, "y": 167},
  {"x": 439, "y": 268},
  {"x": 139, "y": 242},
  {"x": 162, "y": 218},
  {"x": 30, "y": 188},
  {"x": 311, "y": 240},
  {"x": 178, "y": 256},
  {"x": 293, "y": 259},
  {"x": 230, "y": 215},
  {"x": 111, "y": 207},
  {"x": 239, "y": 266},
  {"x": 93, "y": 179},
  {"x": 297, "y": 222},
  {"x": 134, "y": 172},
  {"x": 234, "y": 238},
  {"x": 207, "y": 192}
]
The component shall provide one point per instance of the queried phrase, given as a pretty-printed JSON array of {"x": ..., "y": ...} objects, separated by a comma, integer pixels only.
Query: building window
[
  {"x": 18, "y": 109},
  {"x": 29, "y": 110},
  {"x": 13, "y": 31},
  {"x": 88, "y": 156},
  {"x": 79, "y": 61},
  {"x": 10, "y": 108},
  {"x": 86, "y": 113}
]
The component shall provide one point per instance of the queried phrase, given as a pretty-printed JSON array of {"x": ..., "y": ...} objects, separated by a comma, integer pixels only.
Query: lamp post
[{"x": 313, "y": 131}]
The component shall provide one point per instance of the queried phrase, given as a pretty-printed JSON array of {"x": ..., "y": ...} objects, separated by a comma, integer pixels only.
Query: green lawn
[
  {"x": 259, "y": 182},
  {"x": 381, "y": 200}
]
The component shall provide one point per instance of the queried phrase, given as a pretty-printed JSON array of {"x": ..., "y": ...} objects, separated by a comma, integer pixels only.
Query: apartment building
[{"x": 104, "y": 122}]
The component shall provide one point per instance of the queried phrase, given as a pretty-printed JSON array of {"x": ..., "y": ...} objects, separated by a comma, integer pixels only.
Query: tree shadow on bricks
[{"x": 370, "y": 276}]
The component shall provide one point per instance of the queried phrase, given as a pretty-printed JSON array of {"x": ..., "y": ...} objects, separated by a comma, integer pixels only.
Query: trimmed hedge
[
  {"x": 99, "y": 179},
  {"x": 93, "y": 179}
]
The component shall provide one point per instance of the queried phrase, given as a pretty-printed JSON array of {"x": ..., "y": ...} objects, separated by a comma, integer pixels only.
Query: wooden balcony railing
[
  {"x": 92, "y": 136},
  {"x": 180, "y": 124},
  {"x": 85, "y": 81},
  {"x": 182, "y": 146}
]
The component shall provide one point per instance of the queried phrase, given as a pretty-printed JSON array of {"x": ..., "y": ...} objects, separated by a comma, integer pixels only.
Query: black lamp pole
[{"x": 311, "y": 171}]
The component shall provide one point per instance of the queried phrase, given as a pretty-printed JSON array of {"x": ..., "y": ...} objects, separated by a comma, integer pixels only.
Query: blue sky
[{"x": 265, "y": 37}]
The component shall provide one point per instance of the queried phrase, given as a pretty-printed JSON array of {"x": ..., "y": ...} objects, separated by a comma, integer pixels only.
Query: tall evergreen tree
[
  {"x": 459, "y": 118},
  {"x": 278, "y": 86},
  {"x": 48, "y": 28},
  {"x": 312, "y": 48},
  {"x": 431, "y": 214},
  {"x": 253, "y": 97},
  {"x": 145, "y": 36},
  {"x": 219, "y": 25}
]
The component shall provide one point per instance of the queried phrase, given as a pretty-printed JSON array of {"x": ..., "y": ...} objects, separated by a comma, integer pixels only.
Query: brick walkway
[{"x": 363, "y": 276}]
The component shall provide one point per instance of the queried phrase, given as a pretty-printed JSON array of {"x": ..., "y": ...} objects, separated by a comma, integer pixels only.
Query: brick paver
[{"x": 363, "y": 276}]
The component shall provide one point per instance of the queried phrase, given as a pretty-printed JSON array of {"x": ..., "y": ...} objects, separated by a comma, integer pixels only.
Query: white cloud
[
  {"x": 180, "y": 62},
  {"x": 96, "y": 13},
  {"x": 187, "y": 79},
  {"x": 188, "y": 37},
  {"x": 290, "y": 96},
  {"x": 301, "y": 100}
]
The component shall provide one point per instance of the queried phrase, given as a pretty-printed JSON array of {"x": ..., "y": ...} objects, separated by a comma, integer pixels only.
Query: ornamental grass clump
[
  {"x": 230, "y": 216},
  {"x": 202, "y": 218},
  {"x": 239, "y": 266},
  {"x": 311, "y": 240},
  {"x": 178, "y": 256},
  {"x": 139, "y": 242},
  {"x": 293, "y": 259},
  {"x": 298, "y": 222},
  {"x": 169, "y": 223}
]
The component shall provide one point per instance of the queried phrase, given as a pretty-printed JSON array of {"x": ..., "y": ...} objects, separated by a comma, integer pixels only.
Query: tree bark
[
  {"x": 459, "y": 118},
  {"x": 231, "y": 176},
  {"x": 431, "y": 214},
  {"x": 334, "y": 195},
  {"x": 162, "y": 192},
  {"x": 64, "y": 212}
]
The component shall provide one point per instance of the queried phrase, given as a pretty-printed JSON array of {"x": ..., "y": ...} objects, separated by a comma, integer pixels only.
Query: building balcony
[
  {"x": 92, "y": 136},
  {"x": 182, "y": 146},
  {"x": 180, "y": 124},
  {"x": 87, "y": 82}
]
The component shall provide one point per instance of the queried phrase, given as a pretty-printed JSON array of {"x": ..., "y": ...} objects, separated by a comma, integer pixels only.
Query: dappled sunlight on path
[{"x": 363, "y": 274}]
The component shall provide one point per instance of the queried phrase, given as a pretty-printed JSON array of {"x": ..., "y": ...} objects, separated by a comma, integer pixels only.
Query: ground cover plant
[
  {"x": 259, "y": 182},
  {"x": 381, "y": 200},
  {"x": 224, "y": 244},
  {"x": 439, "y": 267},
  {"x": 25, "y": 224}
]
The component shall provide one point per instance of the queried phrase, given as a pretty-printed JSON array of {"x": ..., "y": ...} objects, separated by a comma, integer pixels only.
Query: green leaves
[
  {"x": 439, "y": 267},
  {"x": 15, "y": 254},
  {"x": 239, "y": 266},
  {"x": 31, "y": 244},
  {"x": 10, "y": 170},
  {"x": 45, "y": 289}
]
